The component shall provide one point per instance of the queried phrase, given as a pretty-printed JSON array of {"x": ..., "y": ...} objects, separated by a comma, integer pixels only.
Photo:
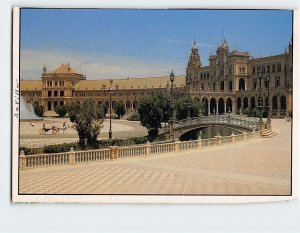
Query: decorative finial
[{"x": 44, "y": 69}]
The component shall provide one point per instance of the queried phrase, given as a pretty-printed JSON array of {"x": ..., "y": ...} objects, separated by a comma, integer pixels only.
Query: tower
[{"x": 194, "y": 63}]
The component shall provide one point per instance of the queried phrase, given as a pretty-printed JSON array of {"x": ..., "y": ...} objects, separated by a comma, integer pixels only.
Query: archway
[
  {"x": 245, "y": 102},
  {"x": 128, "y": 104},
  {"x": 213, "y": 105},
  {"x": 241, "y": 84},
  {"x": 229, "y": 105},
  {"x": 61, "y": 93},
  {"x": 239, "y": 104},
  {"x": 252, "y": 102},
  {"x": 49, "y": 105},
  {"x": 274, "y": 102},
  {"x": 205, "y": 105},
  {"x": 221, "y": 106},
  {"x": 55, "y": 104},
  {"x": 283, "y": 102}
]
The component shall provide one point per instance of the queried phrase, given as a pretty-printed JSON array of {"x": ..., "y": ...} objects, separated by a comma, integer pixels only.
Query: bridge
[{"x": 237, "y": 122}]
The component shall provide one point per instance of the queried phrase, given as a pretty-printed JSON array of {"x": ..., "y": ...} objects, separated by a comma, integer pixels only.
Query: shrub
[
  {"x": 119, "y": 108},
  {"x": 61, "y": 110},
  {"x": 134, "y": 117},
  {"x": 38, "y": 109},
  {"x": 65, "y": 147}
]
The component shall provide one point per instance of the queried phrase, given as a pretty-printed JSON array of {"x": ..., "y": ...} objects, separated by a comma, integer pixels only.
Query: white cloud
[{"x": 95, "y": 66}]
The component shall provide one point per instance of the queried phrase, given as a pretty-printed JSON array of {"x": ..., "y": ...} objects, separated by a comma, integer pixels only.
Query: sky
[{"x": 104, "y": 44}]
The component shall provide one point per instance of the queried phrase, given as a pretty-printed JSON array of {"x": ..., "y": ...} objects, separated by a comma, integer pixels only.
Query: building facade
[{"x": 229, "y": 84}]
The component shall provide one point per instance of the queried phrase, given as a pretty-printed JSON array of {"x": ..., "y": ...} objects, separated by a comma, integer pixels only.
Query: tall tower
[{"x": 194, "y": 63}]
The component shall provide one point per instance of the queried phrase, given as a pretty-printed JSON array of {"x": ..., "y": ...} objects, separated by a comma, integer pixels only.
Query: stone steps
[{"x": 268, "y": 133}]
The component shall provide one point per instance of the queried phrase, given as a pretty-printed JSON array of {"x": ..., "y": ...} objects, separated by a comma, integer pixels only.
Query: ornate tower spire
[{"x": 194, "y": 59}]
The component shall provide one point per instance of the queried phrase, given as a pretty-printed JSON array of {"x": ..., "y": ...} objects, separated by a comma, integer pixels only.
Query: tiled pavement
[{"x": 260, "y": 167}]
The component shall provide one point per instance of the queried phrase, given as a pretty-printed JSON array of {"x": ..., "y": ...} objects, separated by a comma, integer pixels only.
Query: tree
[
  {"x": 151, "y": 115},
  {"x": 88, "y": 118},
  {"x": 181, "y": 108},
  {"x": 163, "y": 100},
  {"x": 38, "y": 109},
  {"x": 61, "y": 110},
  {"x": 119, "y": 108}
]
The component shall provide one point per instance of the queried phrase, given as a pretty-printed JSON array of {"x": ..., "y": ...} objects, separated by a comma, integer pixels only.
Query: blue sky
[{"x": 139, "y": 43}]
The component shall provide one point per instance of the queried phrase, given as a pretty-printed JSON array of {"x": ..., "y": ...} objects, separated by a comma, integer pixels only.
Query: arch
[
  {"x": 205, "y": 105},
  {"x": 245, "y": 102},
  {"x": 61, "y": 93},
  {"x": 221, "y": 106},
  {"x": 274, "y": 102},
  {"x": 239, "y": 104},
  {"x": 55, "y": 104},
  {"x": 49, "y": 105},
  {"x": 283, "y": 102},
  {"x": 128, "y": 104},
  {"x": 241, "y": 84},
  {"x": 252, "y": 104},
  {"x": 213, "y": 105},
  {"x": 55, "y": 93},
  {"x": 49, "y": 93},
  {"x": 229, "y": 105}
]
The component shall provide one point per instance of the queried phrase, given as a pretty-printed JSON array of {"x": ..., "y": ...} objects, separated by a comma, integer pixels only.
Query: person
[
  {"x": 44, "y": 126},
  {"x": 64, "y": 125},
  {"x": 285, "y": 119},
  {"x": 53, "y": 125},
  {"x": 32, "y": 124}
]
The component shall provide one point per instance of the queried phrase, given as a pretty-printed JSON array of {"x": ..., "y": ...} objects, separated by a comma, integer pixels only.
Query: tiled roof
[
  {"x": 31, "y": 85},
  {"x": 65, "y": 69},
  {"x": 131, "y": 83}
]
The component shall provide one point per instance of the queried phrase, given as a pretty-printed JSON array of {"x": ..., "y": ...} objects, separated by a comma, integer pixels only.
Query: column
[
  {"x": 225, "y": 107},
  {"x": 217, "y": 108},
  {"x": 278, "y": 106},
  {"x": 233, "y": 110},
  {"x": 209, "y": 107},
  {"x": 242, "y": 105}
]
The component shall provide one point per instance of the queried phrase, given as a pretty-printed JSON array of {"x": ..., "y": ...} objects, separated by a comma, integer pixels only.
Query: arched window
[
  {"x": 283, "y": 102},
  {"x": 242, "y": 84},
  {"x": 55, "y": 93},
  {"x": 61, "y": 93},
  {"x": 273, "y": 68},
  {"x": 49, "y": 93},
  {"x": 279, "y": 67},
  {"x": 230, "y": 85}
]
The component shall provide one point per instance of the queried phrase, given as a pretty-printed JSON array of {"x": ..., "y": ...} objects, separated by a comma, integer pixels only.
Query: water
[
  {"x": 208, "y": 132},
  {"x": 26, "y": 111}
]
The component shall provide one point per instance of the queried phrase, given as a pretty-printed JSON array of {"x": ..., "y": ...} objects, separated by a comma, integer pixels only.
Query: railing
[
  {"x": 92, "y": 155},
  {"x": 130, "y": 151},
  {"x": 115, "y": 152}
]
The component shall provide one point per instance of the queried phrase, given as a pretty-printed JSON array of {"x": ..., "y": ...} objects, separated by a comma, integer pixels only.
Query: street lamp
[
  {"x": 110, "y": 107},
  {"x": 268, "y": 102},
  {"x": 172, "y": 118},
  {"x": 260, "y": 101},
  {"x": 189, "y": 82}
]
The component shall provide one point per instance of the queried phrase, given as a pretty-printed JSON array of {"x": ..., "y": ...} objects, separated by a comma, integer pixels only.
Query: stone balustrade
[{"x": 115, "y": 152}]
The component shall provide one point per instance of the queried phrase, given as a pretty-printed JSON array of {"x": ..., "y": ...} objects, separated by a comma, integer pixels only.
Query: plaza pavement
[
  {"x": 30, "y": 136},
  {"x": 258, "y": 167}
]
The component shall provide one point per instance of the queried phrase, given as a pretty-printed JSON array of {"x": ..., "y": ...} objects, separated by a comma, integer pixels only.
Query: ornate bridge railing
[{"x": 229, "y": 120}]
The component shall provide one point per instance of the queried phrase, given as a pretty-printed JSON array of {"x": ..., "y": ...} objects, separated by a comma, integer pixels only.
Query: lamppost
[
  {"x": 172, "y": 118},
  {"x": 189, "y": 82},
  {"x": 260, "y": 102},
  {"x": 110, "y": 107},
  {"x": 268, "y": 102}
]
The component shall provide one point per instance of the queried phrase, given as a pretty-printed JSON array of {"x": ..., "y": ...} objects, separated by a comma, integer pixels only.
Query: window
[
  {"x": 279, "y": 67},
  {"x": 207, "y": 75},
  {"x": 273, "y": 68},
  {"x": 263, "y": 69},
  {"x": 268, "y": 69},
  {"x": 254, "y": 83},
  {"x": 253, "y": 70},
  {"x": 277, "y": 82}
]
